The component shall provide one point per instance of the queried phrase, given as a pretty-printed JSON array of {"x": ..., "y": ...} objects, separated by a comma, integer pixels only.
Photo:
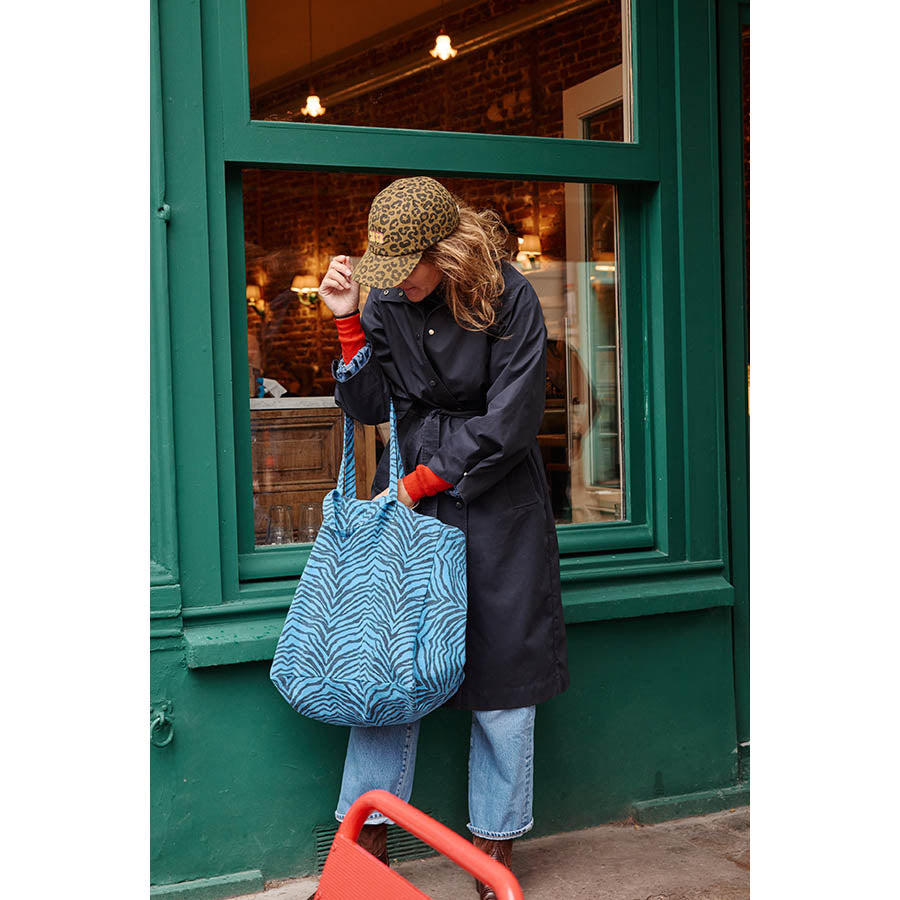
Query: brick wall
[
  {"x": 295, "y": 222},
  {"x": 510, "y": 87}
]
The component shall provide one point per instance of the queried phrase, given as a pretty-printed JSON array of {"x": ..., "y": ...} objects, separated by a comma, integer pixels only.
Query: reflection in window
[
  {"x": 605, "y": 125},
  {"x": 563, "y": 237},
  {"x": 513, "y": 62}
]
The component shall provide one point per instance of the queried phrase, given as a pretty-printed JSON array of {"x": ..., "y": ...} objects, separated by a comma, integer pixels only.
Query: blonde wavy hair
[{"x": 469, "y": 259}]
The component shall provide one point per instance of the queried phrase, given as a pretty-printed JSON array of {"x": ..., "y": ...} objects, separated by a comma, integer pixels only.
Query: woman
[{"x": 455, "y": 334}]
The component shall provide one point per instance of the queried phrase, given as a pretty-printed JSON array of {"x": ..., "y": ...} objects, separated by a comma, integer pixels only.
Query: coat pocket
[{"x": 521, "y": 486}]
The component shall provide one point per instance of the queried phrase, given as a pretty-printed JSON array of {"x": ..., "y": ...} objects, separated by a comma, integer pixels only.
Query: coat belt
[
  {"x": 430, "y": 440},
  {"x": 425, "y": 411}
]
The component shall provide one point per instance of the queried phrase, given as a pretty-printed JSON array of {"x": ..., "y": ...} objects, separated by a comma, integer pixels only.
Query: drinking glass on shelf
[
  {"x": 310, "y": 520},
  {"x": 280, "y": 530}
]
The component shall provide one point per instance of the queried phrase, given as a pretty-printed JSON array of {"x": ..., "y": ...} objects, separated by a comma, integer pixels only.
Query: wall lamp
[
  {"x": 307, "y": 288},
  {"x": 255, "y": 300}
]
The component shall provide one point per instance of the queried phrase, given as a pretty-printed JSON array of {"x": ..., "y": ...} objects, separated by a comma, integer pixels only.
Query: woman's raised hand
[{"x": 338, "y": 290}]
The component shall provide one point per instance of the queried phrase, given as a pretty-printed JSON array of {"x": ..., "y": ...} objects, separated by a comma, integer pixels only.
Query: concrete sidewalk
[{"x": 698, "y": 858}]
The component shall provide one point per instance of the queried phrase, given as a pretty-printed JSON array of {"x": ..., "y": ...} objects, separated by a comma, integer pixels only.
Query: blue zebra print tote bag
[{"x": 376, "y": 631}]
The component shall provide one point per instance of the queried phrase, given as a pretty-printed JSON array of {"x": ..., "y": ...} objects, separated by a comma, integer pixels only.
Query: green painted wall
[
  {"x": 245, "y": 779},
  {"x": 656, "y": 607}
]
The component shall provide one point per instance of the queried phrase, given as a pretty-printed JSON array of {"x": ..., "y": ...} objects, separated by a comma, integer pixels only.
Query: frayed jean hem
[
  {"x": 371, "y": 819},
  {"x": 500, "y": 835}
]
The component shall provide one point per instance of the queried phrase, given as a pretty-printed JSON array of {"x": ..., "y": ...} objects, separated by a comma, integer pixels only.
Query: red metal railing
[{"x": 352, "y": 873}]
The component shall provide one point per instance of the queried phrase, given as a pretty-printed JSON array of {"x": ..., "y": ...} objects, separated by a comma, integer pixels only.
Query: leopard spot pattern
[{"x": 396, "y": 214}]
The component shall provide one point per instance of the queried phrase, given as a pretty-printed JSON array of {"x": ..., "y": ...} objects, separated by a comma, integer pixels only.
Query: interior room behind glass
[
  {"x": 562, "y": 237},
  {"x": 494, "y": 67},
  {"x": 549, "y": 69}
]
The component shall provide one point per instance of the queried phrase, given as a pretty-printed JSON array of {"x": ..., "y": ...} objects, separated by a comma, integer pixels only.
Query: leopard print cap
[{"x": 405, "y": 219}]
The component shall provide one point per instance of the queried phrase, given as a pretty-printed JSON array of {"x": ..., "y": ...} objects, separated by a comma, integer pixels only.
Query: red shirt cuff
[
  {"x": 351, "y": 335},
  {"x": 422, "y": 482}
]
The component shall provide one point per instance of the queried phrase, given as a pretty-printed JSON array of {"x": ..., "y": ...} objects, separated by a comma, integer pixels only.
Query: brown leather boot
[
  {"x": 374, "y": 839},
  {"x": 500, "y": 850}
]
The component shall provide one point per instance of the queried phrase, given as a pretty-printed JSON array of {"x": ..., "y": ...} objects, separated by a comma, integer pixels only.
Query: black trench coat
[{"x": 469, "y": 407}]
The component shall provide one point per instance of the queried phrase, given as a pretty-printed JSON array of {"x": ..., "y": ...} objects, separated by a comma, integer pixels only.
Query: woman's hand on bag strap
[{"x": 402, "y": 495}]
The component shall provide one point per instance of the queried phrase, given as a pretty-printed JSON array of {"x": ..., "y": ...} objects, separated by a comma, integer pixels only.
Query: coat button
[
  {"x": 431, "y": 331},
  {"x": 432, "y": 382},
  {"x": 459, "y": 504},
  {"x": 385, "y": 292}
]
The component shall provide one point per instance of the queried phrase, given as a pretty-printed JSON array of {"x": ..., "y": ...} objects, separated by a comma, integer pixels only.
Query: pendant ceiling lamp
[
  {"x": 442, "y": 47},
  {"x": 313, "y": 106}
]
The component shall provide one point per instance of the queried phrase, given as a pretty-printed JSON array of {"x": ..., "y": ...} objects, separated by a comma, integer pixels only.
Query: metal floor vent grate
[{"x": 401, "y": 845}]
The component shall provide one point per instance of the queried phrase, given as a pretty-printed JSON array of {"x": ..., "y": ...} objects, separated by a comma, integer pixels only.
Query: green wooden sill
[{"x": 248, "y": 632}]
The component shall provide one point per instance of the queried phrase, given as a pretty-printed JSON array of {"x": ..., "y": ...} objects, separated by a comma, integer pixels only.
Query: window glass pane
[
  {"x": 296, "y": 222},
  {"x": 524, "y": 67},
  {"x": 605, "y": 125}
]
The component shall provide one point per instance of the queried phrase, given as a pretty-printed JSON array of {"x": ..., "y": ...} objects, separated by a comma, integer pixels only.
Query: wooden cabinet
[{"x": 297, "y": 444}]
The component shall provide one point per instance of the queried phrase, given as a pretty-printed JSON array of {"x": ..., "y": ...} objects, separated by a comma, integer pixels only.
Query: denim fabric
[
  {"x": 381, "y": 756},
  {"x": 501, "y": 769},
  {"x": 342, "y": 371},
  {"x": 501, "y": 772}
]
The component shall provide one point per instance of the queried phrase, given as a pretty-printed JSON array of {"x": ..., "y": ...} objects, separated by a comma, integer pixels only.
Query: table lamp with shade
[{"x": 529, "y": 251}]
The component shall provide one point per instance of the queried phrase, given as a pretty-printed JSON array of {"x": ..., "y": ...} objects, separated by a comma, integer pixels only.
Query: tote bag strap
[{"x": 346, "y": 482}]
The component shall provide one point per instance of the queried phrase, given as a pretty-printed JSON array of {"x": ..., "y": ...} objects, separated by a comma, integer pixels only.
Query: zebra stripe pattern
[{"x": 375, "y": 634}]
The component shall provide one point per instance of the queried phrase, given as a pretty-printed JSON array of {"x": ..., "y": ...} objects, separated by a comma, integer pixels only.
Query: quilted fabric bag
[{"x": 376, "y": 631}]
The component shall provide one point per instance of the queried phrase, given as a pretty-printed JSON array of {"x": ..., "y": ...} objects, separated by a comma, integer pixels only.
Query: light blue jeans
[{"x": 501, "y": 770}]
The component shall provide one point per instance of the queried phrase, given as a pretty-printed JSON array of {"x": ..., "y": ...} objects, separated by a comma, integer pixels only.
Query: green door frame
[
  {"x": 732, "y": 16},
  {"x": 228, "y": 599}
]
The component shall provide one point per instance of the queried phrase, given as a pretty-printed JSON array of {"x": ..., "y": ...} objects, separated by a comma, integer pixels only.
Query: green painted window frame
[
  {"x": 298, "y": 146},
  {"x": 732, "y": 16},
  {"x": 633, "y": 532},
  {"x": 672, "y": 553},
  {"x": 165, "y": 588}
]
